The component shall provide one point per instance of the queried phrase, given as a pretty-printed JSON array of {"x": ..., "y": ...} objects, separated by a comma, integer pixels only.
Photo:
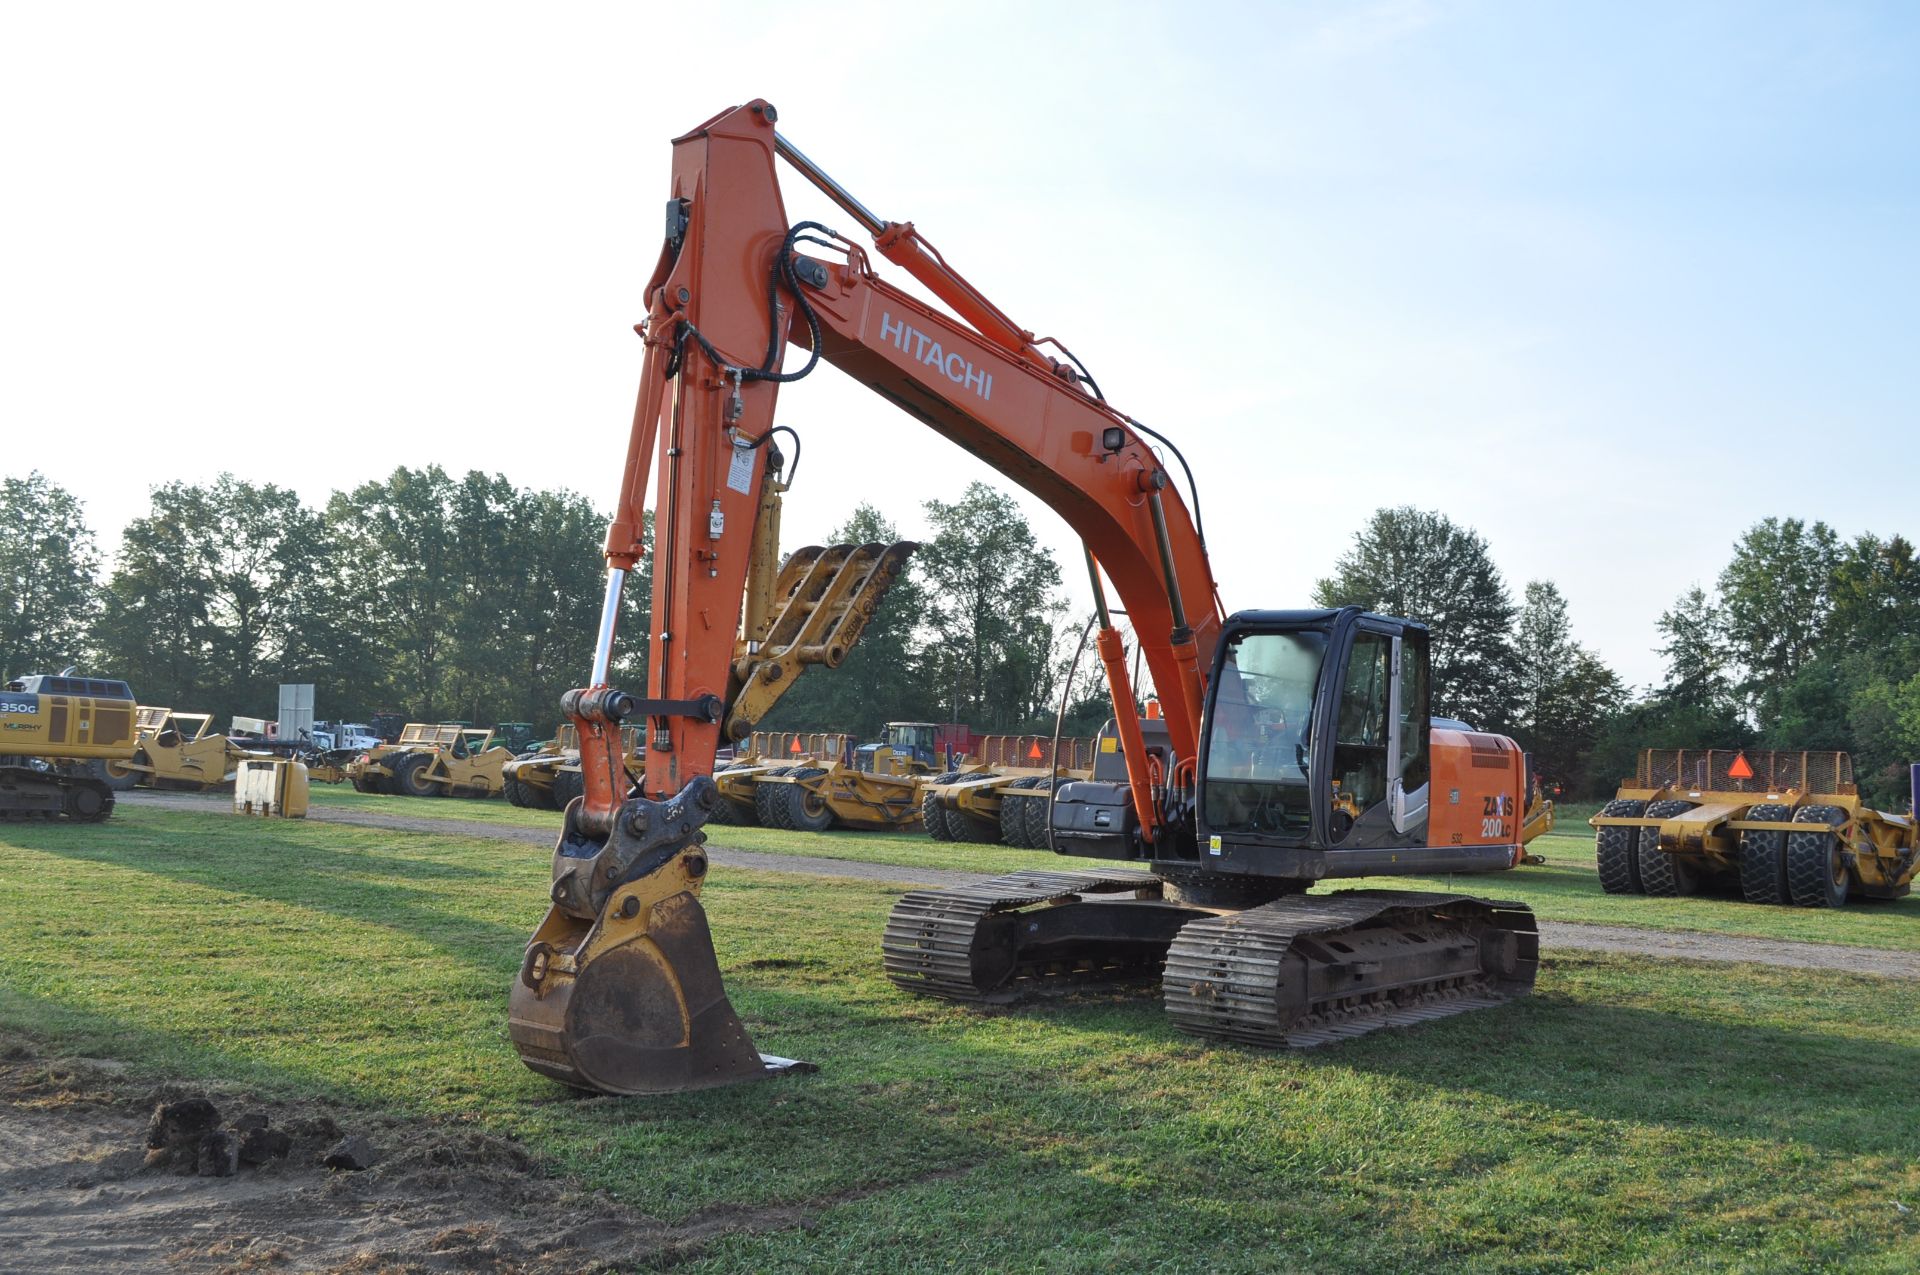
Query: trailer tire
[
  {"x": 568, "y": 784},
  {"x": 1763, "y": 856},
  {"x": 516, "y": 792},
  {"x": 409, "y": 779},
  {"x": 725, "y": 813},
  {"x": 1615, "y": 849},
  {"x": 933, "y": 817},
  {"x": 806, "y": 810},
  {"x": 1013, "y": 812},
  {"x": 769, "y": 803},
  {"x": 1817, "y": 874},
  {"x": 1663, "y": 875},
  {"x": 1039, "y": 811}
]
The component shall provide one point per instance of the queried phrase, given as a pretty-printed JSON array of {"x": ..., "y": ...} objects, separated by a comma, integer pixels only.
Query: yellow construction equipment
[
  {"x": 527, "y": 780},
  {"x": 776, "y": 752},
  {"x": 1004, "y": 791},
  {"x": 879, "y": 790},
  {"x": 54, "y": 731},
  {"x": 550, "y": 778},
  {"x": 1784, "y": 827},
  {"x": 434, "y": 761},
  {"x": 177, "y": 750}
]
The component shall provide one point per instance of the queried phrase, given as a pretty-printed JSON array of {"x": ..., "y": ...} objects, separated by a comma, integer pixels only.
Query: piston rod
[
  {"x": 609, "y": 617},
  {"x": 833, "y": 189}
]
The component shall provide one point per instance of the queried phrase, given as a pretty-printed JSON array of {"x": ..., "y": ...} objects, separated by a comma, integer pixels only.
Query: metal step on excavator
[{"x": 1294, "y": 747}]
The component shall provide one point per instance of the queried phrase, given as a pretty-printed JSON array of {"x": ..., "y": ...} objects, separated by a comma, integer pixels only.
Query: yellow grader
[
  {"x": 433, "y": 761},
  {"x": 1003, "y": 793},
  {"x": 177, "y": 750},
  {"x": 1781, "y": 827},
  {"x": 550, "y": 778}
]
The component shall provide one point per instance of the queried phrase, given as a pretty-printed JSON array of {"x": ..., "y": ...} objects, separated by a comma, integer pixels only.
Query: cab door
[{"x": 1375, "y": 741}]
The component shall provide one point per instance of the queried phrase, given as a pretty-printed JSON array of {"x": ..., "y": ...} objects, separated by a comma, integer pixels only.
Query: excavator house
[{"x": 1293, "y": 747}]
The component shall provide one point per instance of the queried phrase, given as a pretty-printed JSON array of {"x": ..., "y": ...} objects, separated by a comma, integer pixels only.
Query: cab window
[
  {"x": 1259, "y": 739},
  {"x": 1360, "y": 746}
]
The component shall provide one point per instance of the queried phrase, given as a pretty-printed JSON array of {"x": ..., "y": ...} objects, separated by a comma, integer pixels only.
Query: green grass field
[
  {"x": 1631, "y": 1115},
  {"x": 1566, "y": 888}
]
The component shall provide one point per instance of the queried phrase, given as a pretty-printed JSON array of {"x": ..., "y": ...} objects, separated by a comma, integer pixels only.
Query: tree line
[
  {"x": 468, "y": 598},
  {"x": 444, "y": 597}
]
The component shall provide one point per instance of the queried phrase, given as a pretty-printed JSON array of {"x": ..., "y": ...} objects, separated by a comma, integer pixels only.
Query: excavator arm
[
  {"x": 620, "y": 990},
  {"x": 733, "y": 287}
]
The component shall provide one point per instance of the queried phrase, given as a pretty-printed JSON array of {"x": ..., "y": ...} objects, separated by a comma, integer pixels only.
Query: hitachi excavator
[{"x": 1292, "y": 747}]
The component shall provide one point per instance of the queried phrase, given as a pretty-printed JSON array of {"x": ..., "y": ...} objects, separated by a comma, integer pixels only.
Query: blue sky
[{"x": 1607, "y": 283}]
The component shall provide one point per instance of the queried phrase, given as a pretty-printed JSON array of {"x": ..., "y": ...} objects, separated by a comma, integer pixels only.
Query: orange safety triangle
[
  {"x": 1740, "y": 769},
  {"x": 796, "y": 746},
  {"x": 1035, "y": 752}
]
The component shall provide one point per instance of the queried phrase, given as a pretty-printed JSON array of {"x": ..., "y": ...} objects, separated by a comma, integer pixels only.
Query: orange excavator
[{"x": 1291, "y": 747}]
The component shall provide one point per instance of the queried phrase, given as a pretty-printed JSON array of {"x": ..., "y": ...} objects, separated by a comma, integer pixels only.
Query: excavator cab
[
  {"x": 1317, "y": 731},
  {"x": 1319, "y": 750}
]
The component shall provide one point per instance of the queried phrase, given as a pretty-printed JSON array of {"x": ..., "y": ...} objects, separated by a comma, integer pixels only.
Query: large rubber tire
[
  {"x": 1013, "y": 813},
  {"x": 726, "y": 814},
  {"x": 806, "y": 811},
  {"x": 1039, "y": 810},
  {"x": 539, "y": 798},
  {"x": 122, "y": 780},
  {"x": 1816, "y": 869},
  {"x": 769, "y": 803},
  {"x": 568, "y": 784},
  {"x": 933, "y": 816},
  {"x": 965, "y": 828},
  {"x": 1615, "y": 850},
  {"x": 1763, "y": 856},
  {"x": 514, "y": 791},
  {"x": 1663, "y": 875},
  {"x": 409, "y": 777}
]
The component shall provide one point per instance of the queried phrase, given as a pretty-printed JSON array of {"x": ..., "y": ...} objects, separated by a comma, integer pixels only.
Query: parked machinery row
[
  {"x": 1772, "y": 827},
  {"x": 1005, "y": 792}
]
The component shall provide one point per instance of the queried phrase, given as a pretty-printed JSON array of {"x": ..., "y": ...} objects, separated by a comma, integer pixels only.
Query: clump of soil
[{"x": 99, "y": 1173}]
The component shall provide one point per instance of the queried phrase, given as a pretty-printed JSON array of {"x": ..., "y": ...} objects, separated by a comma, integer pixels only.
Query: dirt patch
[{"x": 82, "y": 1192}]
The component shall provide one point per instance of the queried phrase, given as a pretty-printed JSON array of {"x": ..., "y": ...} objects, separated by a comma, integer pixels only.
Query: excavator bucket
[{"x": 620, "y": 990}]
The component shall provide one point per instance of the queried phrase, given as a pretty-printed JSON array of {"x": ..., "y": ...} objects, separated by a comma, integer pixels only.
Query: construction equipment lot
[{"x": 1636, "y": 1111}]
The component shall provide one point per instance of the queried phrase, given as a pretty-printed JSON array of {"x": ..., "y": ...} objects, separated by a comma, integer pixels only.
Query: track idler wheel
[{"x": 619, "y": 991}]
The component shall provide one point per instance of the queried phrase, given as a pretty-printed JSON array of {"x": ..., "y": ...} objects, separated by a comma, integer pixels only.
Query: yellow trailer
[
  {"x": 1003, "y": 792},
  {"x": 1780, "y": 827}
]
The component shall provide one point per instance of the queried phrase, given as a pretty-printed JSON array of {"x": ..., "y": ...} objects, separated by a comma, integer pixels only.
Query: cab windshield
[
  {"x": 1259, "y": 741},
  {"x": 913, "y": 738}
]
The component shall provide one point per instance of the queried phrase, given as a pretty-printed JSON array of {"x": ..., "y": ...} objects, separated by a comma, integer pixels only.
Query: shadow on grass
[
  {"x": 1626, "y": 1063},
  {"x": 295, "y": 870}
]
